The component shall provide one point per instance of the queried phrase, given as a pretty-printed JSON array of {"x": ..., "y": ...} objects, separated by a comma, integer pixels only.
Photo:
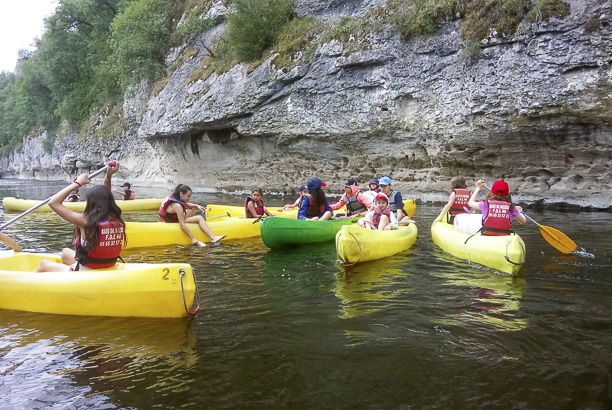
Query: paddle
[
  {"x": 553, "y": 236},
  {"x": 218, "y": 216},
  {"x": 24, "y": 213}
]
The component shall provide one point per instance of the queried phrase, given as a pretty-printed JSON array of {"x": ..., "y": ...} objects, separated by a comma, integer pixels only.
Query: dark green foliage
[
  {"x": 415, "y": 17},
  {"x": 255, "y": 24},
  {"x": 545, "y": 9},
  {"x": 139, "y": 41}
]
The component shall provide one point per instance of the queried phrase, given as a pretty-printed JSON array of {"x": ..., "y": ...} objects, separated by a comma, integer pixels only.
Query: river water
[{"x": 294, "y": 329}]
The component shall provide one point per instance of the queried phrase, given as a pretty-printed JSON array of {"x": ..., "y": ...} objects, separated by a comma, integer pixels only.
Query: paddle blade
[{"x": 557, "y": 239}]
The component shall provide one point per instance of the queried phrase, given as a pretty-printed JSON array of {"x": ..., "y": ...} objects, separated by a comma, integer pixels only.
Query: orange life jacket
[
  {"x": 378, "y": 214},
  {"x": 105, "y": 254},
  {"x": 259, "y": 207},
  {"x": 497, "y": 222},
  {"x": 166, "y": 216}
]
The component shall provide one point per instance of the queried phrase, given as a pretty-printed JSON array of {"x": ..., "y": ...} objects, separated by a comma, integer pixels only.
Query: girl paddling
[
  {"x": 497, "y": 209},
  {"x": 176, "y": 208},
  {"x": 99, "y": 230}
]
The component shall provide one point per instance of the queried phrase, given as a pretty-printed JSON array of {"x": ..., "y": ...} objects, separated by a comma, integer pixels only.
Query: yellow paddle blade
[{"x": 557, "y": 239}]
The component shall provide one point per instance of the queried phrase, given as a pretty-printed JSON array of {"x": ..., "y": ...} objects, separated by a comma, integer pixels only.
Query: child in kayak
[
  {"x": 497, "y": 209},
  {"x": 381, "y": 217},
  {"x": 374, "y": 185},
  {"x": 99, "y": 230},
  {"x": 314, "y": 205},
  {"x": 10, "y": 242},
  {"x": 254, "y": 206},
  {"x": 176, "y": 208},
  {"x": 457, "y": 200},
  {"x": 127, "y": 192},
  {"x": 356, "y": 202},
  {"x": 73, "y": 196},
  {"x": 303, "y": 191},
  {"x": 396, "y": 203}
]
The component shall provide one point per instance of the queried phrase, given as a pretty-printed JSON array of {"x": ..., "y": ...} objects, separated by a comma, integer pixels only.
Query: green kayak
[{"x": 279, "y": 232}]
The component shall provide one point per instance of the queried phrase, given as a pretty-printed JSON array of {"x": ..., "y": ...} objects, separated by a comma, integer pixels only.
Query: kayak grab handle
[
  {"x": 197, "y": 294},
  {"x": 508, "y": 259}
]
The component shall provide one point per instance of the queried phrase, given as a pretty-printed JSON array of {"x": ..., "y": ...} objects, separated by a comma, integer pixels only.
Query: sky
[{"x": 20, "y": 22}]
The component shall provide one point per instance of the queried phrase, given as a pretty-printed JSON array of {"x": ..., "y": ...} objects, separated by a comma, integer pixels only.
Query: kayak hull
[
  {"x": 216, "y": 212},
  {"x": 126, "y": 289},
  {"x": 281, "y": 232},
  {"x": 12, "y": 204},
  {"x": 355, "y": 244},
  {"x": 156, "y": 234},
  {"x": 503, "y": 253}
]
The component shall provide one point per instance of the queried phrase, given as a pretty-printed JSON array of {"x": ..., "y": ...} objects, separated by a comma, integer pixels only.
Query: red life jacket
[
  {"x": 311, "y": 212},
  {"x": 497, "y": 221},
  {"x": 164, "y": 215},
  {"x": 462, "y": 197},
  {"x": 129, "y": 195},
  {"x": 378, "y": 214},
  {"x": 105, "y": 254},
  {"x": 352, "y": 205},
  {"x": 259, "y": 207}
]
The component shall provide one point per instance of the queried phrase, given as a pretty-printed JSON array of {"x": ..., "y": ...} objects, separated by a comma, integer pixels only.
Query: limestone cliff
[{"x": 534, "y": 109}]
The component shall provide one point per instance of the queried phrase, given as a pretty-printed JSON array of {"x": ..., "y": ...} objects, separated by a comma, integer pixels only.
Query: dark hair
[
  {"x": 495, "y": 197},
  {"x": 180, "y": 189},
  {"x": 318, "y": 198},
  {"x": 458, "y": 182},
  {"x": 100, "y": 205},
  {"x": 258, "y": 190}
]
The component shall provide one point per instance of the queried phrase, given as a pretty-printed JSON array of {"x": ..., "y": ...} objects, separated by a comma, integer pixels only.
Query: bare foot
[{"x": 218, "y": 238}]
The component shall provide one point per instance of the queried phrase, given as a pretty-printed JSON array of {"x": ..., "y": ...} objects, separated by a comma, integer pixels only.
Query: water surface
[{"x": 294, "y": 329}]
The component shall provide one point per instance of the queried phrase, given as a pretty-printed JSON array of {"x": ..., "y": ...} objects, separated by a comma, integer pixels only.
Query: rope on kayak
[
  {"x": 182, "y": 272},
  {"x": 338, "y": 256},
  {"x": 508, "y": 259}
]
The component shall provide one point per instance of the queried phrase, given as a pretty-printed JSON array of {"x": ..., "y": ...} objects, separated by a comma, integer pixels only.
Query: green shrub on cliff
[
  {"x": 255, "y": 24},
  {"x": 139, "y": 40}
]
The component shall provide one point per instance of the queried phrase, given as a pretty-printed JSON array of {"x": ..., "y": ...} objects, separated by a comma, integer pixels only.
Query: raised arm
[{"x": 473, "y": 203}]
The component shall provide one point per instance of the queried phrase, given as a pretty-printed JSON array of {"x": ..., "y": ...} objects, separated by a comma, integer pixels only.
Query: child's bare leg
[
  {"x": 204, "y": 227},
  {"x": 68, "y": 256}
]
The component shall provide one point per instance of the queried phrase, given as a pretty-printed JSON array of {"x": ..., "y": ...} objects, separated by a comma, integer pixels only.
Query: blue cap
[
  {"x": 314, "y": 183},
  {"x": 303, "y": 188},
  {"x": 385, "y": 181},
  {"x": 374, "y": 181}
]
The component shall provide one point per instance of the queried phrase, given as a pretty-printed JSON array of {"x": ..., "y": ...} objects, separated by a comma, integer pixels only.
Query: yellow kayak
[
  {"x": 12, "y": 204},
  {"x": 216, "y": 211},
  {"x": 126, "y": 289},
  {"x": 356, "y": 244},
  {"x": 152, "y": 234},
  {"x": 503, "y": 253}
]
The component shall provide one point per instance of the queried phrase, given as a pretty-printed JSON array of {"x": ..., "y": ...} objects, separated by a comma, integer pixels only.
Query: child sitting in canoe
[
  {"x": 457, "y": 200},
  {"x": 254, "y": 206},
  {"x": 127, "y": 193},
  {"x": 374, "y": 185},
  {"x": 73, "y": 196},
  {"x": 99, "y": 230},
  {"x": 303, "y": 191},
  {"x": 10, "y": 242},
  {"x": 396, "y": 203},
  {"x": 314, "y": 205},
  {"x": 357, "y": 204},
  {"x": 176, "y": 208},
  {"x": 381, "y": 217},
  {"x": 497, "y": 209}
]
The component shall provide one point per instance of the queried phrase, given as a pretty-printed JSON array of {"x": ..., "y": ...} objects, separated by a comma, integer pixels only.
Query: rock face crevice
[{"x": 535, "y": 109}]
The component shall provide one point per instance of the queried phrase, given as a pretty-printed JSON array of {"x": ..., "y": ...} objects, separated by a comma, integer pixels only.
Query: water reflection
[
  {"x": 369, "y": 287},
  {"x": 485, "y": 300},
  {"x": 40, "y": 355}
]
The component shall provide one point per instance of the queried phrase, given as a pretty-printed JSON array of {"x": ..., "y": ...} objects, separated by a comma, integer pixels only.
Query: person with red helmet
[
  {"x": 497, "y": 209},
  {"x": 381, "y": 217}
]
